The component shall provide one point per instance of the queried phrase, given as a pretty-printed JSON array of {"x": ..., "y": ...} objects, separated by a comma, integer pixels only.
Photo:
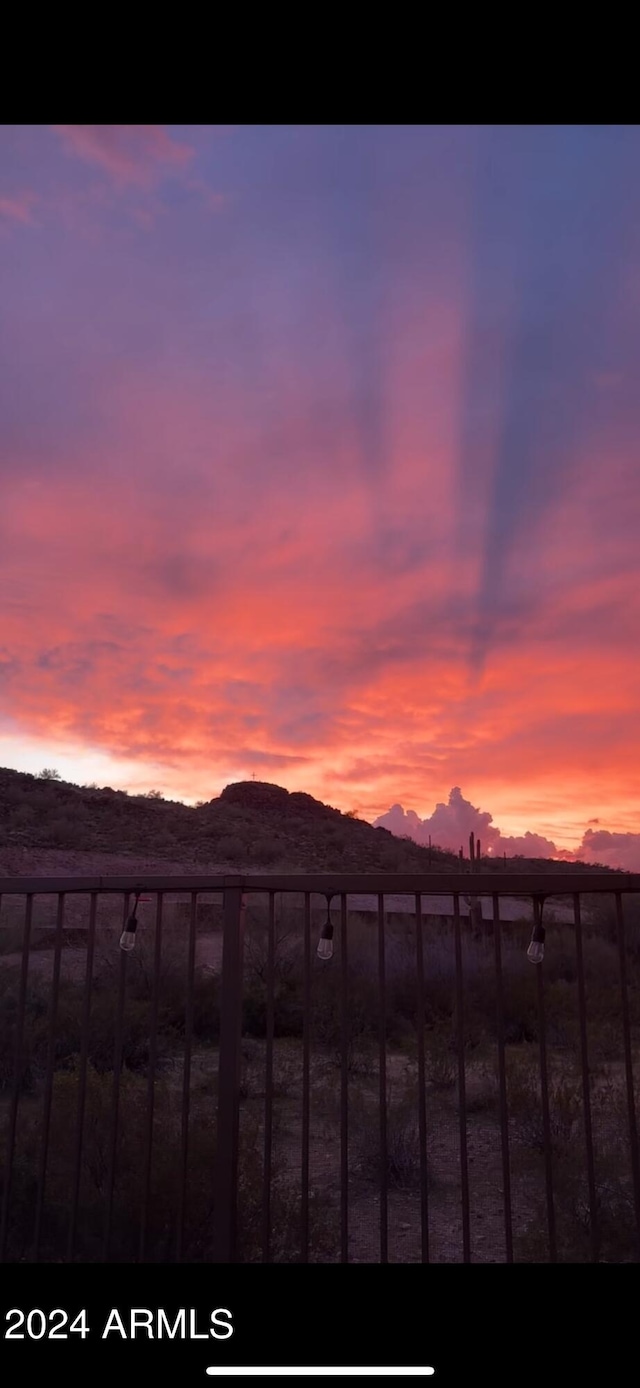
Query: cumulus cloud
[
  {"x": 529, "y": 845},
  {"x": 611, "y": 849},
  {"x": 450, "y": 826}
]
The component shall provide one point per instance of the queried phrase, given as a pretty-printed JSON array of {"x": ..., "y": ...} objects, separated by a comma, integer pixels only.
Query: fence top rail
[{"x": 391, "y": 884}]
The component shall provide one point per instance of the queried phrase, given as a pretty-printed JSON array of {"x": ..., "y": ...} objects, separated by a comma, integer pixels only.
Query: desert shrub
[
  {"x": 482, "y": 1089},
  {"x": 68, "y": 1030},
  {"x": 172, "y": 987},
  {"x": 287, "y": 974},
  {"x": 64, "y": 831},
  {"x": 36, "y": 1008},
  {"x": 524, "y": 1102},
  {"x": 330, "y": 831},
  {"x": 232, "y": 848},
  {"x": 127, "y": 1200},
  {"x": 402, "y": 1166},
  {"x": 361, "y": 1057},
  {"x": 288, "y": 1010},
  {"x": 363, "y": 1010},
  {"x": 164, "y": 841},
  {"x": 161, "y": 1220},
  {"x": 390, "y": 858},
  {"x": 441, "y": 1062},
  {"x": 335, "y": 857},
  {"x": 14, "y": 795},
  {"x": 614, "y": 1213},
  {"x": 44, "y": 800},
  {"x": 140, "y": 963},
  {"x": 265, "y": 851},
  {"x": 101, "y": 1035},
  {"x": 285, "y": 1244},
  {"x": 403, "y": 1146}
]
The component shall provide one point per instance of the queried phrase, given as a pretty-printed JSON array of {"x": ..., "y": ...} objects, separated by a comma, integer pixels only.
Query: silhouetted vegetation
[
  {"x": 439, "y": 1023},
  {"x": 252, "y": 825}
]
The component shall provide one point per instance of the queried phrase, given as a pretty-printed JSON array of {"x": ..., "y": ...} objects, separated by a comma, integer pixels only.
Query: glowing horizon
[{"x": 318, "y": 459}]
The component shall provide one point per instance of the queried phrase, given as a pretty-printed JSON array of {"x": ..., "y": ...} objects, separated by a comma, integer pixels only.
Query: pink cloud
[
  {"x": 137, "y": 155},
  {"x": 451, "y": 824},
  {"x": 611, "y": 849},
  {"x": 529, "y": 845},
  {"x": 313, "y": 638},
  {"x": 448, "y": 827},
  {"x": 19, "y": 207}
]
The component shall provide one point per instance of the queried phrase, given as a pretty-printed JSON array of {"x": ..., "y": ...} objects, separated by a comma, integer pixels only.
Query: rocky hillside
[
  {"x": 49, "y": 826},
  {"x": 45, "y": 823}
]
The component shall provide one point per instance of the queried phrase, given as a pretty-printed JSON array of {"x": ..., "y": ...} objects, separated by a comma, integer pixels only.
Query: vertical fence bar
[
  {"x": 502, "y": 1081},
  {"x": 82, "y": 1077},
  {"x": 115, "y": 1101},
  {"x": 382, "y": 1077},
  {"x": 344, "y": 1083},
  {"x": 462, "y": 1089},
  {"x": 628, "y": 1065},
  {"x": 186, "y": 1080},
  {"x": 151, "y": 1078},
  {"x": 544, "y": 1086},
  {"x": 594, "y": 1232},
  {"x": 48, "y": 1083},
  {"x": 306, "y": 1032},
  {"x": 268, "y": 1087},
  {"x": 17, "y": 1075},
  {"x": 422, "y": 1097},
  {"x": 228, "y": 1119}
]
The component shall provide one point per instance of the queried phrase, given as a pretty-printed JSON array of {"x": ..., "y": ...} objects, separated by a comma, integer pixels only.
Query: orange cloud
[{"x": 219, "y": 638}]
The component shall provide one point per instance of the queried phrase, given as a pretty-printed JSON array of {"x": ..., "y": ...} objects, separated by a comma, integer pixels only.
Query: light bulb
[
  {"x": 535, "y": 952},
  {"x": 325, "y": 943},
  {"x": 128, "y": 936}
]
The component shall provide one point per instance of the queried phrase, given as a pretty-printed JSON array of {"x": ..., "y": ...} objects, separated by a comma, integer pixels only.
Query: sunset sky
[{"x": 320, "y": 461}]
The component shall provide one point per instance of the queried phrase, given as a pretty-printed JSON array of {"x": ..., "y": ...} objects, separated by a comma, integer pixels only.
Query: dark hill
[{"x": 251, "y": 825}]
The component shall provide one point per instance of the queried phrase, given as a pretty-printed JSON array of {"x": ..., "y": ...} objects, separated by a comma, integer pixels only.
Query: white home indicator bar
[{"x": 234, "y": 1372}]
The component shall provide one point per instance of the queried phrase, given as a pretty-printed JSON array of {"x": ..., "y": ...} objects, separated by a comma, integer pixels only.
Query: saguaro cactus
[{"x": 475, "y": 904}]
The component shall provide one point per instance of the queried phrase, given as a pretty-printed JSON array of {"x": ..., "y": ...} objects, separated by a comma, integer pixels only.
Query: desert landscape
[{"x": 176, "y": 1054}]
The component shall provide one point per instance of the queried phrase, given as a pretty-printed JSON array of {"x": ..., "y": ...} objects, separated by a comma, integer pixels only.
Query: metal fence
[{"x": 62, "y": 1098}]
